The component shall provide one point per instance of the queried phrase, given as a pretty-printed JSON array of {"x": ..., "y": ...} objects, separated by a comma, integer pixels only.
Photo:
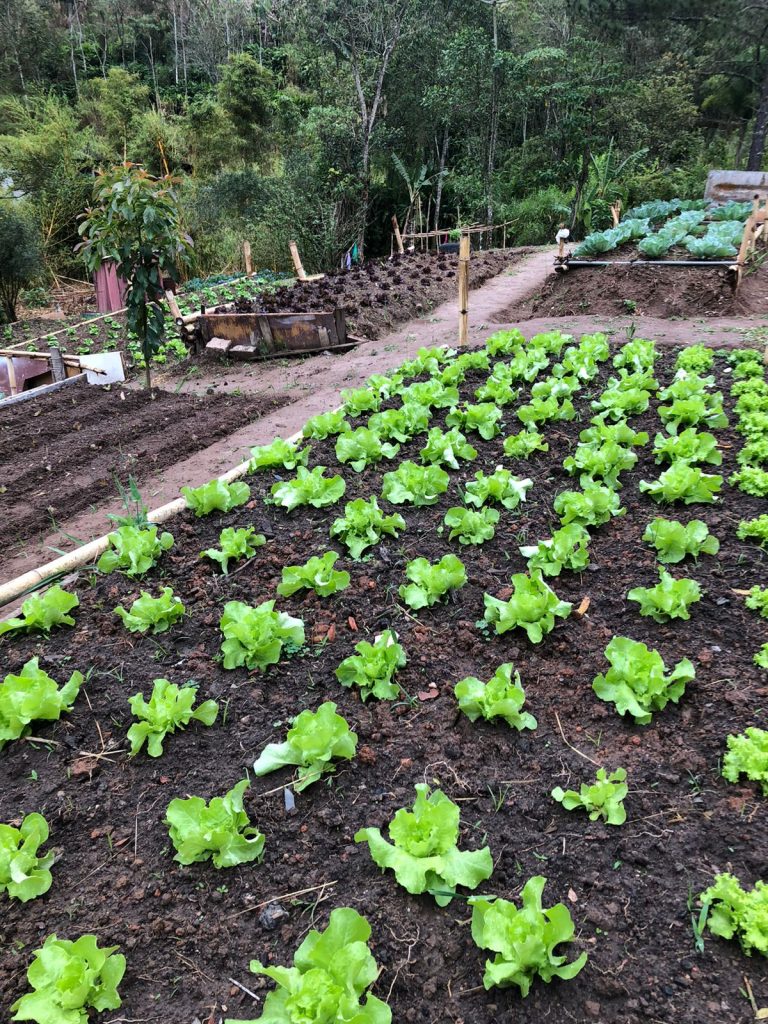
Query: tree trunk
[
  {"x": 440, "y": 176},
  {"x": 757, "y": 148}
]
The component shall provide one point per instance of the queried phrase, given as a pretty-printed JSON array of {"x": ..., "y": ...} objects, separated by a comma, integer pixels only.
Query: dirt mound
[
  {"x": 63, "y": 452},
  {"x": 647, "y": 291},
  {"x": 379, "y": 295}
]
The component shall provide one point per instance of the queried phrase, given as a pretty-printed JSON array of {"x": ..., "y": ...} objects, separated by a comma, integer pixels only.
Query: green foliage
[
  {"x": 316, "y": 574},
  {"x": 332, "y": 969},
  {"x": 169, "y": 708},
  {"x": 432, "y": 394},
  {"x": 20, "y": 256},
  {"x": 362, "y": 448},
  {"x": 501, "y": 697},
  {"x": 683, "y": 482},
  {"x": 754, "y": 529},
  {"x": 669, "y": 599},
  {"x": 134, "y": 550},
  {"x": 315, "y": 740},
  {"x": 695, "y": 359},
  {"x": 445, "y": 448},
  {"x": 356, "y": 401},
  {"x": 216, "y": 496},
  {"x": 282, "y": 453},
  {"x": 483, "y": 419},
  {"x": 326, "y": 424},
  {"x": 757, "y": 600},
  {"x": 373, "y": 667},
  {"x": 751, "y": 480},
  {"x": 500, "y": 486},
  {"x": 568, "y": 548},
  {"x": 431, "y": 581},
  {"x": 761, "y": 658},
  {"x": 23, "y": 874},
  {"x": 423, "y": 852},
  {"x": 524, "y": 939},
  {"x": 69, "y": 978},
  {"x": 401, "y": 424},
  {"x": 309, "y": 487},
  {"x": 747, "y": 754},
  {"x": 542, "y": 410},
  {"x": 414, "y": 485},
  {"x": 594, "y": 505},
  {"x": 596, "y": 461},
  {"x": 689, "y": 446},
  {"x": 152, "y": 613},
  {"x": 364, "y": 524},
  {"x": 613, "y": 433},
  {"x": 470, "y": 526},
  {"x": 674, "y": 541},
  {"x": 219, "y": 830},
  {"x": 32, "y": 696},
  {"x": 636, "y": 355},
  {"x": 235, "y": 544},
  {"x": 41, "y": 613},
  {"x": 523, "y": 444},
  {"x": 603, "y": 799},
  {"x": 533, "y": 607},
  {"x": 637, "y": 681},
  {"x": 735, "y": 911},
  {"x": 255, "y": 637}
]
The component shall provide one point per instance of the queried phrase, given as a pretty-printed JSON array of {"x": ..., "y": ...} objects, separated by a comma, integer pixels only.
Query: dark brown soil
[
  {"x": 187, "y": 931},
  {"x": 379, "y": 295},
  {"x": 64, "y": 451},
  {"x": 646, "y": 291}
]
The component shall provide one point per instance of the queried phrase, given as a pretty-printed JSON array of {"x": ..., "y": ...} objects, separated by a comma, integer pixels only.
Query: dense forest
[{"x": 285, "y": 118}]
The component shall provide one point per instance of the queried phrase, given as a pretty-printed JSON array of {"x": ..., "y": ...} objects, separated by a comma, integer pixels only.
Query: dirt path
[{"x": 314, "y": 384}]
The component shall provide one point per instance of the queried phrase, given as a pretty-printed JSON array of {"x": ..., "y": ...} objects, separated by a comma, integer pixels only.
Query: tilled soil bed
[
  {"x": 64, "y": 451},
  {"x": 646, "y": 291},
  {"x": 187, "y": 931}
]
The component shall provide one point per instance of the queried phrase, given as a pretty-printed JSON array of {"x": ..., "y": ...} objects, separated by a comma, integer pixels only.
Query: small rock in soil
[{"x": 271, "y": 916}]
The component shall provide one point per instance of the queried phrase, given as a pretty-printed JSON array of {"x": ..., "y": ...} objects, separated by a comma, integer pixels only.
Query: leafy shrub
[
  {"x": 327, "y": 424},
  {"x": 689, "y": 446},
  {"x": 401, "y": 424},
  {"x": 423, "y": 853},
  {"x": 501, "y": 697},
  {"x": 592, "y": 506},
  {"x": 754, "y": 529},
  {"x": 364, "y": 524},
  {"x": 133, "y": 550},
  {"x": 524, "y": 444},
  {"x": 431, "y": 581},
  {"x": 524, "y": 939},
  {"x": 482, "y": 419},
  {"x": 471, "y": 526},
  {"x": 309, "y": 487},
  {"x": 637, "y": 681},
  {"x": 568, "y": 548},
  {"x": 42, "y": 612},
  {"x": 757, "y": 600},
  {"x": 603, "y": 799},
  {"x": 216, "y": 496},
  {"x": 445, "y": 448},
  {"x": 734, "y": 911},
  {"x": 373, "y": 667},
  {"x": 316, "y": 574},
  {"x": 152, "y": 613},
  {"x": 413, "y": 484},
  {"x": 753, "y": 425},
  {"x": 674, "y": 541},
  {"x": 332, "y": 969},
  {"x": 617, "y": 402},
  {"x": 235, "y": 544},
  {"x": 282, "y": 453},
  {"x": 596, "y": 461},
  {"x": 533, "y": 607},
  {"x": 169, "y": 708},
  {"x": 255, "y": 636},
  {"x": 751, "y": 480},
  {"x": 500, "y": 486},
  {"x": 32, "y": 696},
  {"x": 69, "y": 978},
  {"x": 219, "y": 830},
  {"x": 747, "y": 754},
  {"x": 683, "y": 482},
  {"x": 362, "y": 448},
  {"x": 669, "y": 599},
  {"x": 315, "y": 740},
  {"x": 23, "y": 874}
]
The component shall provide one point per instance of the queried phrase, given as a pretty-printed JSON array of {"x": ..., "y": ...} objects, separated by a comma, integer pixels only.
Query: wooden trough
[{"x": 252, "y": 336}]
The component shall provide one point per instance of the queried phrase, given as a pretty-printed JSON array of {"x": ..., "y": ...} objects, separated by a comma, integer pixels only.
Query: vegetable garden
[{"x": 452, "y": 709}]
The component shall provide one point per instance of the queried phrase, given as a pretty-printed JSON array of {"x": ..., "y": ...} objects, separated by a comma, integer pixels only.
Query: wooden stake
[
  {"x": 173, "y": 305},
  {"x": 300, "y": 271},
  {"x": 504, "y": 235},
  {"x": 747, "y": 242},
  {"x": 398, "y": 236},
  {"x": 464, "y": 257},
  {"x": 616, "y": 212},
  {"x": 247, "y": 258}
]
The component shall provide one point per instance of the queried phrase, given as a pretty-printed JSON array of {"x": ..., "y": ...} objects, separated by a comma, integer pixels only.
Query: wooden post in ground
[
  {"x": 504, "y": 235},
  {"x": 747, "y": 242},
  {"x": 173, "y": 305},
  {"x": 300, "y": 271},
  {"x": 616, "y": 212},
  {"x": 464, "y": 257},
  {"x": 398, "y": 236},
  {"x": 247, "y": 258}
]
